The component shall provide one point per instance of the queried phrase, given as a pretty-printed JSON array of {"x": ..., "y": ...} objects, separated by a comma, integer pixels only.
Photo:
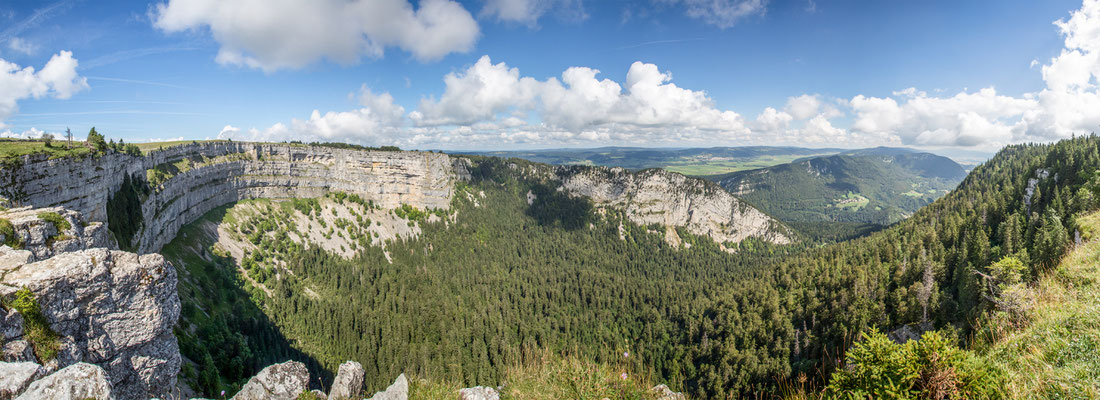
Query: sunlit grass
[{"x": 1057, "y": 353}]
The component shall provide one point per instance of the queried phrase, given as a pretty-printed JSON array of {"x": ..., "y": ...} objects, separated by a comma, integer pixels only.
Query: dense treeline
[
  {"x": 465, "y": 298},
  {"x": 934, "y": 267}
]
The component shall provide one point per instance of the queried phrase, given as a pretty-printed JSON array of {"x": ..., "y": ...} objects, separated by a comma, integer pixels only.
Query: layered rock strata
[
  {"x": 216, "y": 173},
  {"x": 660, "y": 197}
]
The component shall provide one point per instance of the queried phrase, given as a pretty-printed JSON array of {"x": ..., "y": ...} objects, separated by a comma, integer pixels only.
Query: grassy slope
[
  {"x": 1057, "y": 353},
  {"x": 12, "y": 148}
]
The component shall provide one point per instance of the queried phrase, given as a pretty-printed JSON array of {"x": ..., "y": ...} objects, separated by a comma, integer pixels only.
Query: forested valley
[{"x": 495, "y": 278}]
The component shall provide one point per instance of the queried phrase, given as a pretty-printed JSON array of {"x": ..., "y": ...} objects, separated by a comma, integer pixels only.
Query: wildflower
[{"x": 623, "y": 376}]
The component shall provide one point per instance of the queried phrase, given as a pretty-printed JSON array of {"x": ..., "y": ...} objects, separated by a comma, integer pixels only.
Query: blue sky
[{"x": 709, "y": 72}]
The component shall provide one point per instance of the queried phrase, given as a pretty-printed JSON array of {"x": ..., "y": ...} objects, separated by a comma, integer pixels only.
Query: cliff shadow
[
  {"x": 222, "y": 330},
  {"x": 551, "y": 207}
]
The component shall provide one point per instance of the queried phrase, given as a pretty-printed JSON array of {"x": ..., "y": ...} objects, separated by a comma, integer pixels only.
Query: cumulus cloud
[
  {"x": 579, "y": 102},
  {"x": 804, "y": 106},
  {"x": 276, "y": 34},
  {"x": 379, "y": 120},
  {"x": 58, "y": 79},
  {"x": 966, "y": 119}
]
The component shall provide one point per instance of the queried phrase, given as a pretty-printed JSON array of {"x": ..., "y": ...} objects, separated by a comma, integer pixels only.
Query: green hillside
[{"x": 872, "y": 186}]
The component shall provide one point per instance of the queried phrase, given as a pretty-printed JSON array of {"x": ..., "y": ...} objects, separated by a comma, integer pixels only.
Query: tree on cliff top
[{"x": 97, "y": 140}]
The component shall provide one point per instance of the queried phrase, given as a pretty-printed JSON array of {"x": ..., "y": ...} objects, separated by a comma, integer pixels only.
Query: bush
[
  {"x": 7, "y": 230},
  {"x": 929, "y": 368}
]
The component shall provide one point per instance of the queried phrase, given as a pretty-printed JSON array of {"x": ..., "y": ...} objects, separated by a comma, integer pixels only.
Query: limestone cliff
[
  {"x": 201, "y": 176},
  {"x": 657, "y": 196}
]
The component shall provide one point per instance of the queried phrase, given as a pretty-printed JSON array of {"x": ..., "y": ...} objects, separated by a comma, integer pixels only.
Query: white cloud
[
  {"x": 58, "y": 79},
  {"x": 966, "y": 119},
  {"x": 647, "y": 101},
  {"x": 721, "y": 13},
  {"x": 379, "y": 121},
  {"x": 772, "y": 121},
  {"x": 528, "y": 12},
  {"x": 276, "y": 34},
  {"x": 1069, "y": 104},
  {"x": 494, "y": 105},
  {"x": 20, "y": 45},
  {"x": 804, "y": 106}
]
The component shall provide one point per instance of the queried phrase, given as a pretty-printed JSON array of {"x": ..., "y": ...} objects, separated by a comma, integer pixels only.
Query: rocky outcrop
[
  {"x": 76, "y": 382},
  {"x": 109, "y": 308},
  {"x": 660, "y": 197},
  {"x": 478, "y": 393},
  {"x": 662, "y": 392},
  {"x": 15, "y": 377},
  {"x": 277, "y": 382},
  {"x": 399, "y": 390},
  {"x": 348, "y": 382},
  {"x": 43, "y": 239},
  {"x": 216, "y": 173}
]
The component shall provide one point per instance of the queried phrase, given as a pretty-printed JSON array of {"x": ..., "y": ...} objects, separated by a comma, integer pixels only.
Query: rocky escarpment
[
  {"x": 112, "y": 309},
  {"x": 189, "y": 180},
  {"x": 660, "y": 197}
]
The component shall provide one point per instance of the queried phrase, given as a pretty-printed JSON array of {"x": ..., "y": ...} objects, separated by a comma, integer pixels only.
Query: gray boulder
[
  {"x": 399, "y": 390},
  {"x": 280, "y": 381},
  {"x": 348, "y": 382},
  {"x": 18, "y": 351},
  {"x": 664, "y": 393},
  {"x": 14, "y": 377},
  {"x": 479, "y": 393},
  {"x": 75, "y": 382}
]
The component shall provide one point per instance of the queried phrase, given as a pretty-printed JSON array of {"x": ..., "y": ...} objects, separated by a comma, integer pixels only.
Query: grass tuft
[{"x": 36, "y": 329}]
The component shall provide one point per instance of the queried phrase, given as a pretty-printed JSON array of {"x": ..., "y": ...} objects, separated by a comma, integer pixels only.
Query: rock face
[
  {"x": 673, "y": 200},
  {"x": 109, "y": 308},
  {"x": 348, "y": 382},
  {"x": 399, "y": 390},
  {"x": 78, "y": 381},
  {"x": 223, "y": 172},
  {"x": 277, "y": 382}
]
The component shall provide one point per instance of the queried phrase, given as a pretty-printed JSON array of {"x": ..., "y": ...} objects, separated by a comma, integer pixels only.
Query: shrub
[{"x": 929, "y": 368}]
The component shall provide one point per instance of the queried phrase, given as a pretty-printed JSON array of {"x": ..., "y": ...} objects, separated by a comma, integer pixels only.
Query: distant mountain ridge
[
  {"x": 687, "y": 161},
  {"x": 878, "y": 186}
]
